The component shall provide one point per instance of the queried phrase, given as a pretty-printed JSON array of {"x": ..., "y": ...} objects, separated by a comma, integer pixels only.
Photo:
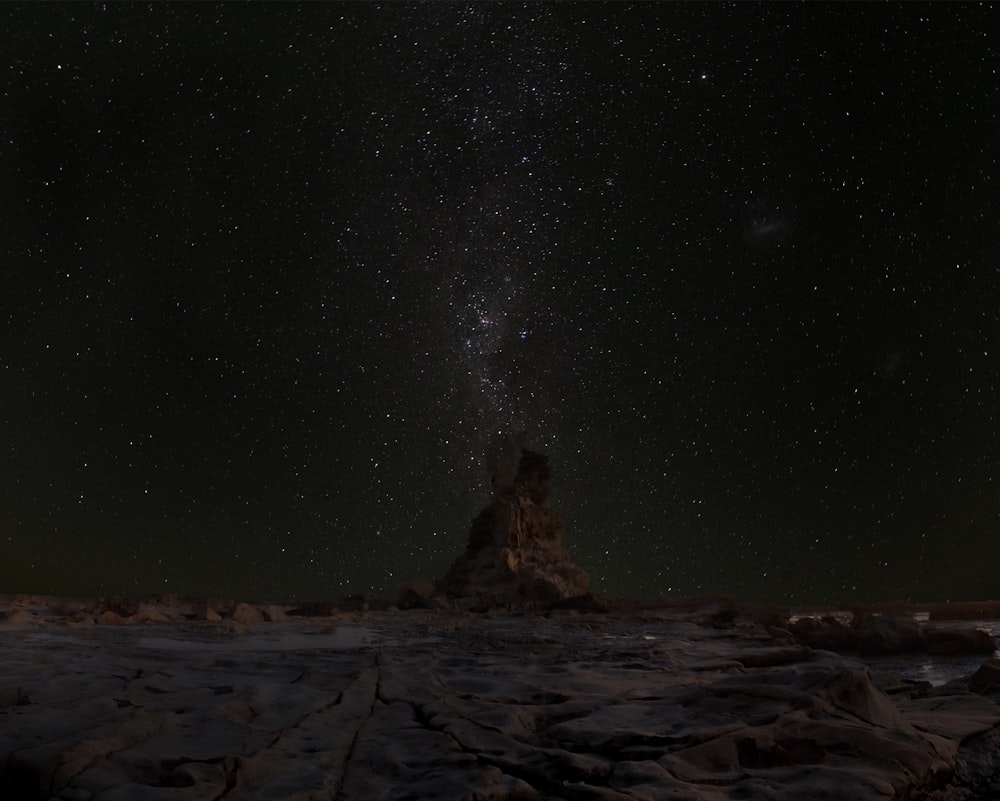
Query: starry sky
[{"x": 281, "y": 283}]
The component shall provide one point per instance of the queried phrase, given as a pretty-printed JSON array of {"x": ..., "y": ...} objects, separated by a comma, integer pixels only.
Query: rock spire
[{"x": 515, "y": 552}]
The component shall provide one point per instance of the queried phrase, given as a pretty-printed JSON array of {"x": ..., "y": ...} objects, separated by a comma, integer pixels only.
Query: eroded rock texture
[
  {"x": 455, "y": 706},
  {"x": 515, "y": 552}
]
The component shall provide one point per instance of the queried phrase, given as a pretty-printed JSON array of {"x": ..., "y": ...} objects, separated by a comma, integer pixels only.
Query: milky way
[{"x": 282, "y": 284}]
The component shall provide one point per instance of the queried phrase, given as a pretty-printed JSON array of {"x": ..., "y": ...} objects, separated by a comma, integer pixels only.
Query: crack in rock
[{"x": 376, "y": 691}]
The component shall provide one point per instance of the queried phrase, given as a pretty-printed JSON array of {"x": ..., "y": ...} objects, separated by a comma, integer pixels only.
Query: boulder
[
  {"x": 223, "y": 607},
  {"x": 873, "y": 635},
  {"x": 14, "y": 617},
  {"x": 514, "y": 555},
  {"x": 274, "y": 613},
  {"x": 245, "y": 613},
  {"x": 109, "y": 618},
  {"x": 987, "y": 677},
  {"x": 959, "y": 641},
  {"x": 827, "y": 633},
  {"x": 878, "y": 636}
]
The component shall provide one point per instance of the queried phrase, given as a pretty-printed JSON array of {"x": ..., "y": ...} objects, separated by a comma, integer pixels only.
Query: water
[{"x": 936, "y": 670}]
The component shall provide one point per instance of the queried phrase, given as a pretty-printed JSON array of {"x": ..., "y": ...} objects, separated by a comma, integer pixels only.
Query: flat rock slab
[{"x": 456, "y": 707}]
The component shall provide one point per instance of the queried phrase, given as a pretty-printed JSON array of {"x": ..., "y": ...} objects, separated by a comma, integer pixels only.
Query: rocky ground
[{"x": 175, "y": 700}]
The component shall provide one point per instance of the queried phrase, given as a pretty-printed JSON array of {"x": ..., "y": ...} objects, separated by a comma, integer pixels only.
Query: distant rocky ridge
[
  {"x": 883, "y": 635},
  {"x": 515, "y": 554}
]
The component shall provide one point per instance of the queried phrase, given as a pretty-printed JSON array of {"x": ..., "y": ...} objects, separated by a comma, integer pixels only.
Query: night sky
[{"x": 281, "y": 283}]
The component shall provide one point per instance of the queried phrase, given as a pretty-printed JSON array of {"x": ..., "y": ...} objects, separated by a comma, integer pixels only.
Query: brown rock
[
  {"x": 122, "y": 606},
  {"x": 14, "y": 617},
  {"x": 827, "y": 633},
  {"x": 151, "y": 614},
  {"x": 889, "y": 635},
  {"x": 245, "y": 613},
  {"x": 855, "y": 692},
  {"x": 274, "y": 613},
  {"x": 515, "y": 552}
]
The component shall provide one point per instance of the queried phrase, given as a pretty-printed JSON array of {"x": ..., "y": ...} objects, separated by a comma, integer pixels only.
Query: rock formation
[
  {"x": 454, "y": 706},
  {"x": 515, "y": 554},
  {"x": 881, "y": 636}
]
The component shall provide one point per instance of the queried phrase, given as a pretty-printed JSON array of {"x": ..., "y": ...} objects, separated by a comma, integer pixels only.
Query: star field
[{"x": 282, "y": 283}]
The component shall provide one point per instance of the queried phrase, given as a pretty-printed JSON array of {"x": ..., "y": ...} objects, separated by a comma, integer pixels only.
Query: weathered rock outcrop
[
  {"x": 987, "y": 678},
  {"x": 454, "y": 706},
  {"x": 515, "y": 552},
  {"x": 880, "y": 636}
]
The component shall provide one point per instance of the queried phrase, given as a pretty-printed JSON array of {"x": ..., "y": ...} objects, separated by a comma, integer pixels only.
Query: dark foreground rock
[
  {"x": 976, "y": 773},
  {"x": 461, "y": 707},
  {"x": 987, "y": 678}
]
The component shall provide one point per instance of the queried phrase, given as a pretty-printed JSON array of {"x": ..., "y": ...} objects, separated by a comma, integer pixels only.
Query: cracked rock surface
[{"x": 457, "y": 706}]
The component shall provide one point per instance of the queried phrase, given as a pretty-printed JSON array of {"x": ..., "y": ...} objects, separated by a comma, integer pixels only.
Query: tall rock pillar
[{"x": 515, "y": 552}]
